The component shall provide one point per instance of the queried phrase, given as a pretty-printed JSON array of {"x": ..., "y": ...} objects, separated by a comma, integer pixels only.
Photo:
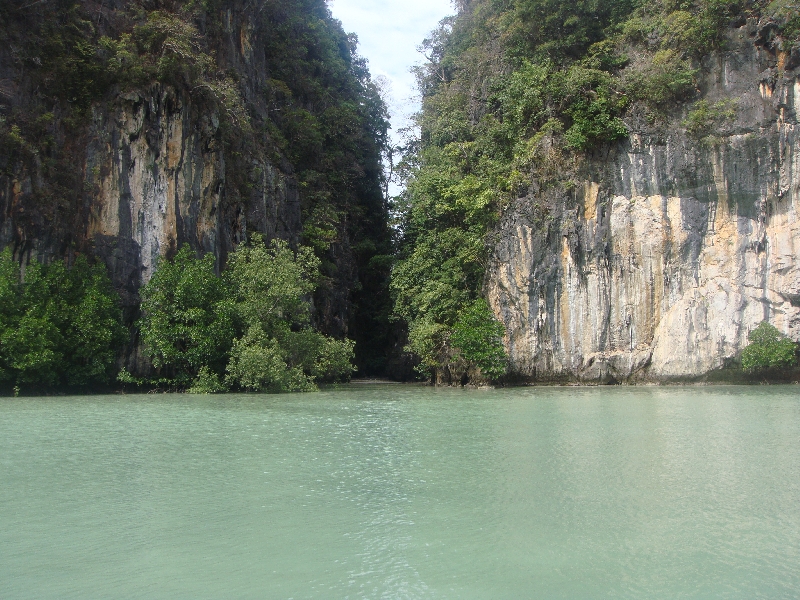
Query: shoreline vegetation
[
  {"x": 146, "y": 391},
  {"x": 248, "y": 329}
]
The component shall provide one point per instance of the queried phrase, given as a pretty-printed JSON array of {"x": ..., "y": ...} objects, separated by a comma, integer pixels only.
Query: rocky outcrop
[{"x": 669, "y": 249}]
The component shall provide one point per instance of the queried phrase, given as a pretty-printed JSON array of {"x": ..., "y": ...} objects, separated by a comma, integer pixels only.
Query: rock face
[
  {"x": 158, "y": 178},
  {"x": 133, "y": 175},
  {"x": 670, "y": 249},
  {"x": 149, "y": 173}
]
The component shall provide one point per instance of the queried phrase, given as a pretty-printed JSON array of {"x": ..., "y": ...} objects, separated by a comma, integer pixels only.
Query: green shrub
[
  {"x": 700, "y": 26},
  {"x": 272, "y": 284},
  {"x": 478, "y": 337},
  {"x": 207, "y": 382},
  {"x": 680, "y": 30},
  {"x": 187, "y": 318},
  {"x": 435, "y": 281},
  {"x": 90, "y": 319},
  {"x": 126, "y": 377},
  {"x": 768, "y": 350},
  {"x": 593, "y": 106},
  {"x": 258, "y": 364},
  {"x": 523, "y": 96},
  {"x": 663, "y": 78},
  {"x": 427, "y": 340},
  {"x": 280, "y": 351},
  {"x": 250, "y": 328},
  {"x": 705, "y": 118},
  {"x": 60, "y": 326}
]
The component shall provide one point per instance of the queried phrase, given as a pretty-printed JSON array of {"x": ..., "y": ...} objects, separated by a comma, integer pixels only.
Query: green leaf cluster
[
  {"x": 187, "y": 318},
  {"x": 478, "y": 337},
  {"x": 280, "y": 351},
  {"x": 59, "y": 326},
  {"x": 768, "y": 350},
  {"x": 249, "y": 328},
  {"x": 660, "y": 78},
  {"x": 705, "y": 118}
]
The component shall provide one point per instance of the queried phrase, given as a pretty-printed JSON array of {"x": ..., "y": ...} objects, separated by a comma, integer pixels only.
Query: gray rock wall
[
  {"x": 670, "y": 249},
  {"x": 147, "y": 172}
]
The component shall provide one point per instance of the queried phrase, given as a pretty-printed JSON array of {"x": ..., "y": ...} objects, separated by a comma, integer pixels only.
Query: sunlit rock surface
[{"x": 670, "y": 249}]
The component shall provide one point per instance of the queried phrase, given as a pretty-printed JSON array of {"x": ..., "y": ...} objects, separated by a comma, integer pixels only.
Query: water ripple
[{"x": 404, "y": 492}]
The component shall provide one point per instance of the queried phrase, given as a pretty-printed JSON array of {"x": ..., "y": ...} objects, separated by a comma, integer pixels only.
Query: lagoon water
[{"x": 393, "y": 491}]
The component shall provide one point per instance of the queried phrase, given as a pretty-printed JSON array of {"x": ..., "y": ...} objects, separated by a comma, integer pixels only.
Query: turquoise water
[{"x": 404, "y": 492}]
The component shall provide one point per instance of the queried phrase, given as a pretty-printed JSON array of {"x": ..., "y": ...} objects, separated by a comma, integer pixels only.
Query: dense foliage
[
  {"x": 478, "y": 338},
  {"x": 327, "y": 117},
  {"x": 188, "y": 318},
  {"x": 59, "y": 326},
  {"x": 768, "y": 350},
  {"x": 248, "y": 329},
  {"x": 514, "y": 92},
  {"x": 279, "y": 350}
]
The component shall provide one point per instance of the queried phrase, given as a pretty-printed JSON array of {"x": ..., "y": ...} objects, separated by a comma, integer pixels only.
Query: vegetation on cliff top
[{"x": 514, "y": 93}]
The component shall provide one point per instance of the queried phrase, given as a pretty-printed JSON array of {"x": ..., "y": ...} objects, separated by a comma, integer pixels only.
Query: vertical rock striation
[
  {"x": 149, "y": 170},
  {"x": 156, "y": 171},
  {"x": 275, "y": 126},
  {"x": 670, "y": 249}
]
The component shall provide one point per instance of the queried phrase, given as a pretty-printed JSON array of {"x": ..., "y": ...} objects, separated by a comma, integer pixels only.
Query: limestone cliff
[
  {"x": 157, "y": 177},
  {"x": 143, "y": 171},
  {"x": 117, "y": 140},
  {"x": 669, "y": 249}
]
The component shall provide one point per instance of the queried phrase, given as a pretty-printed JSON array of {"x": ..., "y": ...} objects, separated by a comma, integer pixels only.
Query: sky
[{"x": 389, "y": 32}]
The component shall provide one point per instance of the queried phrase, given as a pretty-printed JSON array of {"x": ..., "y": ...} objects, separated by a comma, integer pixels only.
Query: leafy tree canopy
[
  {"x": 248, "y": 329},
  {"x": 280, "y": 351},
  {"x": 768, "y": 349},
  {"x": 479, "y": 339},
  {"x": 59, "y": 326},
  {"x": 187, "y": 318}
]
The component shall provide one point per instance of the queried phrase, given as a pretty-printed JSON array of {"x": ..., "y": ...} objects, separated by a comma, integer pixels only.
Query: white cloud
[{"x": 389, "y": 32}]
